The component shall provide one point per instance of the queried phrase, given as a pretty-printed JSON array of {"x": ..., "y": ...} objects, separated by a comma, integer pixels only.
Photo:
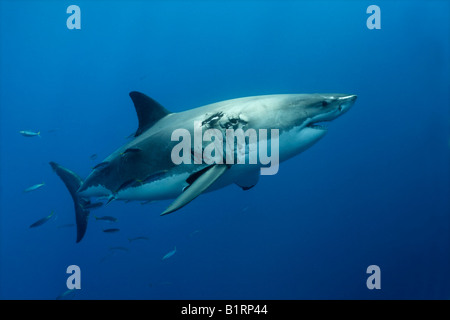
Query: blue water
[{"x": 374, "y": 191}]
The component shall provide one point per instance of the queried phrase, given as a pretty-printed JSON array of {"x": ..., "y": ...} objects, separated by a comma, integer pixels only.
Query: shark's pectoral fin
[
  {"x": 148, "y": 111},
  {"x": 248, "y": 180},
  {"x": 200, "y": 184}
]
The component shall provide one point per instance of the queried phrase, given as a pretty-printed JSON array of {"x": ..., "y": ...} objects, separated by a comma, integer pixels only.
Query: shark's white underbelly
[
  {"x": 167, "y": 188},
  {"x": 172, "y": 186},
  {"x": 291, "y": 142}
]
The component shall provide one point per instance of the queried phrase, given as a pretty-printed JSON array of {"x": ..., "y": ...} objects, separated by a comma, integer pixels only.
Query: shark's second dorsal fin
[{"x": 148, "y": 111}]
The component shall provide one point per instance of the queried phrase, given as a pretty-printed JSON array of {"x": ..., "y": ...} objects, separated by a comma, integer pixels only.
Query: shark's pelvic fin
[
  {"x": 148, "y": 111},
  {"x": 249, "y": 180},
  {"x": 200, "y": 184},
  {"x": 73, "y": 183}
]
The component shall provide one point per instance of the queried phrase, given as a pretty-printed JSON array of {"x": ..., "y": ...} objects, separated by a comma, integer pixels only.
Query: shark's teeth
[{"x": 317, "y": 126}]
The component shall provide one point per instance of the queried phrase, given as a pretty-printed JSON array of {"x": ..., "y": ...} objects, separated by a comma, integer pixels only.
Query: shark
[{"x": 143, "y": 168}]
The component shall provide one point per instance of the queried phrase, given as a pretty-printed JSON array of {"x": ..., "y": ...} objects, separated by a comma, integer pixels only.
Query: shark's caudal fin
[
  {"x": 202, "y": 181},
  {"x": 148, "y": 111},
  {"x": 73, "y": 183}
]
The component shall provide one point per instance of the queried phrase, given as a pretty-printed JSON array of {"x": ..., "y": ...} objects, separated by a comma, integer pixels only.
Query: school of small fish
[{"x": 69, "y": 294}]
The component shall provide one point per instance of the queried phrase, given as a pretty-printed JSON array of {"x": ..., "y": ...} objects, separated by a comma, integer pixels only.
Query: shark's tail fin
[{"x": 73, "y": 183}]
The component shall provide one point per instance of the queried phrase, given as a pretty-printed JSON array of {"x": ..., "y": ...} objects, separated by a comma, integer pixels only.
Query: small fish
[
  {"x": 27, "y": 133},
  {"x": 109, "y": 255},
  {"x": 66, "y": 225},
  {"x": 119, "y": 249},
  {"x": 66, "y": 295},
  {"x": 42, "y": 221},
  {"x": 137, "y": 238},
  {"x": 194, "y": 232},
  {"x": 112, "y": 230},
  {"x": 35, "y": 187},
  {"x": 147, "y": 202},
  {"x": 106, "y": 218},
  {"x": 93, "y": 156},
  {"x": 93, "y": 205},
  {"x": 169, "y": 254}
]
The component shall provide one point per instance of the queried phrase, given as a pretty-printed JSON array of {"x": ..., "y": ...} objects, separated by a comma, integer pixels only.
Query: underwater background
[{"x": 374, "y": 191}]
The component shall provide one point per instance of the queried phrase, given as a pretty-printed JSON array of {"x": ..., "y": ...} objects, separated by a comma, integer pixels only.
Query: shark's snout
[
  {"x": 329, "y": 107},
  {"x": 346, "y": 102}
]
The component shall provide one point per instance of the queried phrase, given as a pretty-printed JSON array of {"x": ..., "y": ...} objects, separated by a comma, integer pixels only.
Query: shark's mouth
[{"x": 318, "y": 126}]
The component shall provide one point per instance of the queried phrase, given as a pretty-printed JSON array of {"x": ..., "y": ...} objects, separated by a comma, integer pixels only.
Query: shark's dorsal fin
[
  {"x": 148, "y": 111},
  {"x": 200, "y": 184}
]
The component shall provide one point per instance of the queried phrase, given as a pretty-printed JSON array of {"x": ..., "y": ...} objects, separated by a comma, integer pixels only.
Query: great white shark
[{"x": 143, "y": 169}]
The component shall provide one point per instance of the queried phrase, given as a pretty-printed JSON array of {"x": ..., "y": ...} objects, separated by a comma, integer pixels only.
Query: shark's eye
[{"x": 324, "y": 103}]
